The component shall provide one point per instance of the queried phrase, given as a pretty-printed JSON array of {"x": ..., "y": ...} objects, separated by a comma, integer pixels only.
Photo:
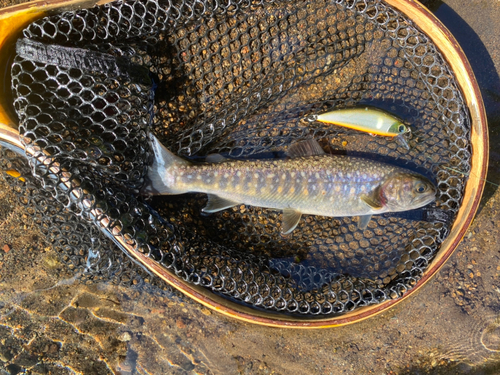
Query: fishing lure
[{"x": 369, "y": 120}]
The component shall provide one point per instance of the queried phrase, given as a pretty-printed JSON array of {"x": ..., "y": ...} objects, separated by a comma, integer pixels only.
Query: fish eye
[
  {"x": 402, "y": 128},
  {"x": 420, "y": 188}
]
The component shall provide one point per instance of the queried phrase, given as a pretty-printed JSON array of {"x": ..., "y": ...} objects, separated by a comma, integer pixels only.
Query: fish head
[
  {"x": 406, "y": 191},
  {"x": 399, "y": 128}
]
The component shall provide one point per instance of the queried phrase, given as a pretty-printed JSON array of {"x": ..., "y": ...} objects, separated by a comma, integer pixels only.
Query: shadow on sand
[
  {"x": 487, "y": 78},
  {"x": 452, "y": 368}
]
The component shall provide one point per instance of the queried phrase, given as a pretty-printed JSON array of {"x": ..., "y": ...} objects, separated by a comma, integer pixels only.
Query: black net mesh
[
  {"x": 242, "y": 78},
  {"x": 82, "y": 247}
]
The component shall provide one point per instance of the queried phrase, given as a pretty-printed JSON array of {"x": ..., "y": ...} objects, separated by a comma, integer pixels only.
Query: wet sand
[{"x": 52, "y": 323}]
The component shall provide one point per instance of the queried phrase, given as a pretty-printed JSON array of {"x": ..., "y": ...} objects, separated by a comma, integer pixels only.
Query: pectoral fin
[
  {"x": 363, "y": 221},
  {"x": 216, "y": 204},
  {"x": 371, "y": 201},
  {"x": 290, "y": 220}
]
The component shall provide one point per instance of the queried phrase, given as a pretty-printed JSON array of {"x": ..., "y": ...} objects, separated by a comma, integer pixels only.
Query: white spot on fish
[
  {"x": 317, "y": 175},
  {"x": 303, "y": 174},
  {"x": 297, "y": 180},
  {"x": 238, "y": 173},
  {"x": 256, "y": 175},
  {"x": 198, "y": 177},
  {"x": 216, "y": 173},
  {"x": 271, "y": 175},
  {"x": 226, "y": 175},
  {"x": 352, "y": 191},
  {"x": 292, "y": 174}
]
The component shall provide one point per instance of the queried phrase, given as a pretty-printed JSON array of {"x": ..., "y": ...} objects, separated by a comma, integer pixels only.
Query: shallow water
[{"x": 51, "y": 321}]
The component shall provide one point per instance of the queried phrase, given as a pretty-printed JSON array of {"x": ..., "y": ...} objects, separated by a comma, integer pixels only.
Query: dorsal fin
[
  {"x": 215, "y": 158},
  {"x": 309, "y": 147}
]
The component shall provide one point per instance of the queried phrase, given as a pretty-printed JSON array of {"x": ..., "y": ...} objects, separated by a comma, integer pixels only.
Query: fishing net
[{"x": 244, "y": 79}]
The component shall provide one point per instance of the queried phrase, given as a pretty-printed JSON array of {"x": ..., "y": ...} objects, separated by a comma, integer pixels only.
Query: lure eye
[
  {"x": 420, "y": 188},
  {"x": 402, "y": 128}
]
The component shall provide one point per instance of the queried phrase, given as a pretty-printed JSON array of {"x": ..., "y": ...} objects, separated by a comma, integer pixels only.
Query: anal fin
[
  {"x": 216, "y": 204},
  {"x": 291, "y": 218}
]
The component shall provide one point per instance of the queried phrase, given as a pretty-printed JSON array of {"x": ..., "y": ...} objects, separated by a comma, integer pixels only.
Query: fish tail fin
[{"x": 158, "y": 176}]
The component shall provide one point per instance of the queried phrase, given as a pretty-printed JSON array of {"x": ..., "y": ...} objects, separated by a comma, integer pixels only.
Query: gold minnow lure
[
  {"x": 308, "y": 182},
  {"x": 367, "y": 119}
]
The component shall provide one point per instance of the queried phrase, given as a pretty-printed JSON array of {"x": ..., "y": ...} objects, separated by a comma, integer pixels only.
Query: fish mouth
[{"x": 424, "y": 200}]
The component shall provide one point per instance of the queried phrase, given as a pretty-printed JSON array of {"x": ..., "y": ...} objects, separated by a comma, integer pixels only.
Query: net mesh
[{"x": 241, "y": 78}]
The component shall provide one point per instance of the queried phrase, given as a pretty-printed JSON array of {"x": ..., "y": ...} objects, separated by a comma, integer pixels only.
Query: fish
[
  {"x": 367, "y": 119},
  {"x": 308, "y": 181}
]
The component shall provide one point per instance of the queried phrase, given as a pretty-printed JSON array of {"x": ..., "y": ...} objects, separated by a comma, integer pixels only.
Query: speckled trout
[{"x": 309, "y": 181}]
